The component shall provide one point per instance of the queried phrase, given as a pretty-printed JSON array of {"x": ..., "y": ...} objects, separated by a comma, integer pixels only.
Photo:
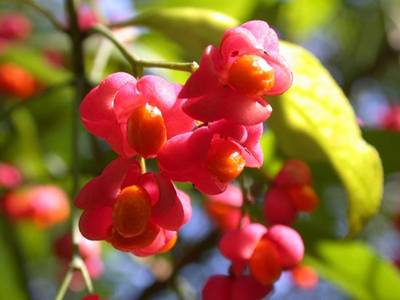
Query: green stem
[
  {"x": 130, "y": 57},
  {"x": 65, "y": 284},
  {"x": 137, "y": 63},
  {"x": 81, "y": 85},
  {"x": 45, "y": 13},
  {"x": 186, "y": 66}
]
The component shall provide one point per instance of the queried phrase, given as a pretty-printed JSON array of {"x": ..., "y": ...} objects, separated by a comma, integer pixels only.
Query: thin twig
[
  {"x": 137, "y": 63},
  {"x": 130, "y": 57},
  {"x": 65, "y": 284}
]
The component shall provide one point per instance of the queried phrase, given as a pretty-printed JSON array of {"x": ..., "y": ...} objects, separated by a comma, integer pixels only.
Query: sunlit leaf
[{"x": 314, "y": 121}]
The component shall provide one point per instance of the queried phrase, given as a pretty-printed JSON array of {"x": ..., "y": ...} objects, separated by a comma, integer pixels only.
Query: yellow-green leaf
[
  {"x": 314, "y": 121},
  {"x": 193, "y": 28}
]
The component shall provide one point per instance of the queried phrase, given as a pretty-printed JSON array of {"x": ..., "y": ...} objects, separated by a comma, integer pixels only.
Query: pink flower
[
  {"x": 233, "y": 78},
  {"x": 138, "y": 213},
  {"x": 90, "y": 252},
  {"x": 10, "y": 176},
  {"x": 134, "y": 116},
  {"x": 14, "y": 26},
  {"x": 242, "y": 287},
  {"x": 45, "y": 205},
  {"x": 265, "y": 252},
  {"x": 211, "y": 156},
  {"x": 225, "y": 209}
]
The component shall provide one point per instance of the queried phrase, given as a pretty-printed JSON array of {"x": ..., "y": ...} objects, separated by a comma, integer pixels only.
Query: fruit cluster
[
  {"x": 205, "y": 132},
  {"x": 258, "y": 254}
]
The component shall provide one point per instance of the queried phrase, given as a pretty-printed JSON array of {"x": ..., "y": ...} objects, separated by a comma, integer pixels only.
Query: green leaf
[
  {"x": 314, "y": 121},
  {"x": 192, "y": 28},
  {"x": 240, "y": 9},
  {"x": 356, "y": 269}
]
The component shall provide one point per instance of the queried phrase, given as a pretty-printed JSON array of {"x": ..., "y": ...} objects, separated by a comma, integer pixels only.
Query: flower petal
[
  {"x": 99, "y": 103},
  {"x": 205, "y": 79},
  {"x": 232, "y": 196},
  {"x": 283, "y": 75},
  {"x": 168, "y": 212},
  {"x": 176, "y": 120},
  {"x": 103, "y": 189},
  {"x": 145, "y": 239},
  {"x": 229, "y": 129},
  {"x": 224, "y": 103},
  {"x": 264, "y": 34},
  {"x": 247, "y": 288},
  {"x": 204, "y": 108},
  {"x": 95, "y": 224},
  {"x": 159, "y": 245},
  {"x": 206, "y": 182},
  {"x": 184, "y": 151},
  {"x": 153, "y": 247},
  {"x": 126, "y": 100},
  {"x": 238, "y": 41},
  {"x": 157, "y": 91},
  {"x": 217, "y": 287},
  {"x": 242, "y": 109},
  {"x": 253, "y": 155}
]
